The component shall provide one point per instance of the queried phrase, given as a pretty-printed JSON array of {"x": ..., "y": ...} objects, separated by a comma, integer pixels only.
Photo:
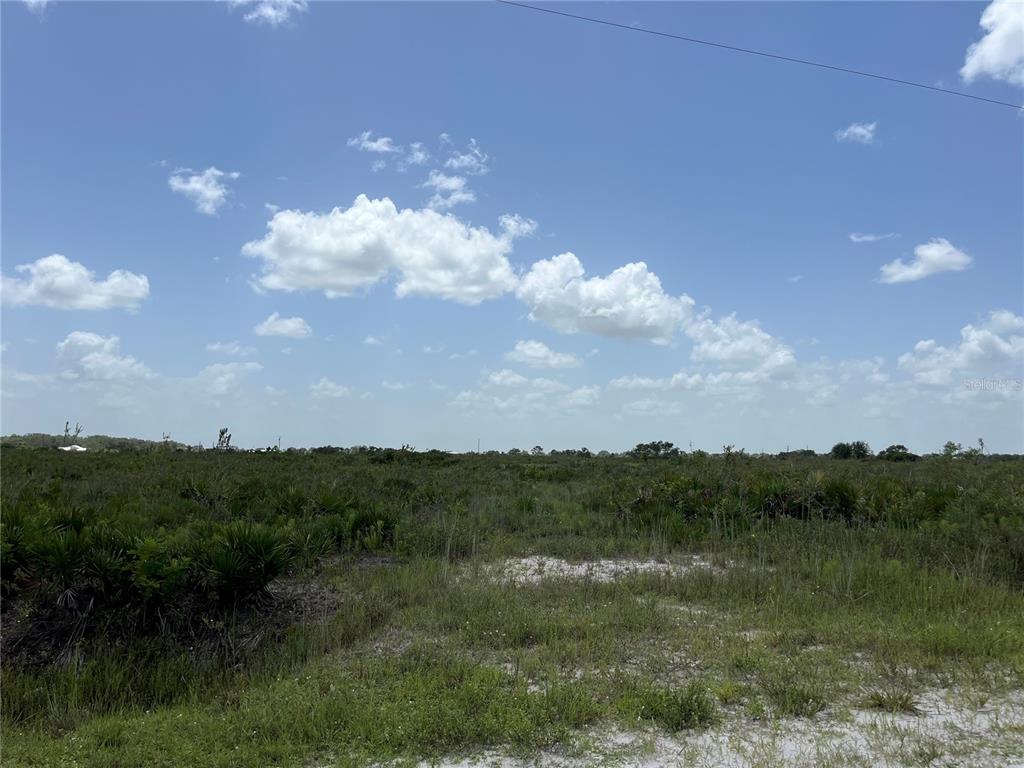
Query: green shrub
[
  {"x": 241, "y": 561},
  {"x": 678, "y": 708}
]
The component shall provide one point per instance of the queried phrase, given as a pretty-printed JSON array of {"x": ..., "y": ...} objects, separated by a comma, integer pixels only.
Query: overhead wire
[{"x": 754, "y": 52}]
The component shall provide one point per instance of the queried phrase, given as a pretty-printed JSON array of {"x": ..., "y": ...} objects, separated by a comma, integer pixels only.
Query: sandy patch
[
  {"x": 534, "y": 569},
  {"x": 950, "y": 731}
]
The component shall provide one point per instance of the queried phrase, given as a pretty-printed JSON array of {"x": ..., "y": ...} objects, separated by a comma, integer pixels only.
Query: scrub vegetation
[{"x": 353, "y": 607}]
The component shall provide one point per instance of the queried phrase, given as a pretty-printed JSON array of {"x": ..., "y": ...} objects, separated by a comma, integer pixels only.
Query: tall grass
[{"x": 143, "y": 581}]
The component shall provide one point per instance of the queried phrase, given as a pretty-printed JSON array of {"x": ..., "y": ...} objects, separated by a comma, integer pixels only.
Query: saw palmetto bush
[{"x": 241, "y": 560}]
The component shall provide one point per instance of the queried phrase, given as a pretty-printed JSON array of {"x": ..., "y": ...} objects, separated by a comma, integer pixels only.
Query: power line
[{"x": 753, "y": 52}]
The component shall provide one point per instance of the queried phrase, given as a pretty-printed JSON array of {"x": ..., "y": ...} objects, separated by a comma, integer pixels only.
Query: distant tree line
[{"x": 656, "y": 449}]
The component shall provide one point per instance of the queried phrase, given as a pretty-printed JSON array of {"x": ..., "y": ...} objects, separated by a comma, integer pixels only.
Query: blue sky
[{"x": 432, "y": 223}]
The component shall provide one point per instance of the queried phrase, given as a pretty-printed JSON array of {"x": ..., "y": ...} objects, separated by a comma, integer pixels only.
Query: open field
[{"x": 397, "y": 608}]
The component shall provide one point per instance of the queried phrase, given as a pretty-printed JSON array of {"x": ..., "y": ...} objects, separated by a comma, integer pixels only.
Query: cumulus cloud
[
  {"x": 734, "y": 357},
  {"x": 937, "y": 255},
  {"x": 582, "y": 397},
  {"x": 857, "y": 133},
  {"x": 289, "y": 327},
  {"x": 507, "y": 392},
  {"x": 537, "y": 354},
  {"x": 992, "y": 348},
  {"x": 678, "y": 381},
  {"x": 372, "y": 341},
  {"x": 273, "y": 13},
  {"x": 230, "y": 348},
  {"x": 381, "y": 145},
  {"x": 394, "y": 386},
  {"x": 59, "y": 283},
  {"x": 651, "y": 407},
  {"x": 506, "y": 378},
  {"x": 861, "y": 237},
  {"x": 1000, "y": 53},
  {"x": 205, "y": 188},
  {"x": 736, "y": 343},
  {"x": 99, "y": 358},
  {"x": 628, "y": 303},
  {"x": 327, "y": 388},
  {"x": 449, "y": 191},
  {"x": 221, "y": 378},
  {"x": 346, "y": 250},
  {"x": 870, "y": 370},
  {"x": 37, "y": 6},
  {"x": 473, "y": 161}
]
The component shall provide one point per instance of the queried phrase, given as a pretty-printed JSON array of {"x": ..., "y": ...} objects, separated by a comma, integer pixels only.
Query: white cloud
[
  {"x": 221, "y": 378},
  {"x": 206, "y": 189},
  {"x": 937, "y": 255},
  {"x": 394, "y": 386},
  {"x": 582, "y": 397},
  {"x": 377, "y": 166},
  {"x": 382, "y": 145},
  {"x": 96, "y": 357},
  {"x": 510, "y": 379},
  {"x": 737, "y": 343},
  {"x": 59, "y": 283},
  {"x": 628, "y": 303},
  {"x": 37, "y": 6},
  {"x": 473, "y": 161},
  {"x": 1000, "y": 53},
  {"x": 870, "y": 371},
  {"x": 271, "y": 12},
  {"x": 651, "y": 407},
  {"x": 327, "y": 388},
  {"x": 506, "y": 378},
  {"x": 507, "y": 392},
  {"x": 547, "y": 385},
  {"x": 993, "y": 348},
  {"x": 417, "y": 154},
  {"x": 230, "y": 348},
  {"x": 343, "y": 251},
  {"x": 449, "y": 191},
  {"x": 857, "y": 133},
  {"x": 794, "y": 278},
  {"x": 861, "y": 237},
  {"x": 537, "y": 354},
  {"x": 290, "y": 327},
  {"x": 742, "y": 358},
  {"x": 372, "y": 341},
  {"x": 680, "y": 381}
]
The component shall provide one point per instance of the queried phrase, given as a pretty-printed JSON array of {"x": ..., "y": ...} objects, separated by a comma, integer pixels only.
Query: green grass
[{"x": 410, "y": 651}]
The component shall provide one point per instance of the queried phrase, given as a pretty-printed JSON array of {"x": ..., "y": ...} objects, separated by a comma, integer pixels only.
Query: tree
[
  {"x": 70, "y": 436},
  {"x": 897, "y": 452},
  {"x": 951, "y": 449},
  {"x": 841, "y": 451},
  {"x": 658, "y": 449},
  {"x": 860, "y": 449},
  {"x": 537, "y": 451},
  {"x": 224, "y": 439}
]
